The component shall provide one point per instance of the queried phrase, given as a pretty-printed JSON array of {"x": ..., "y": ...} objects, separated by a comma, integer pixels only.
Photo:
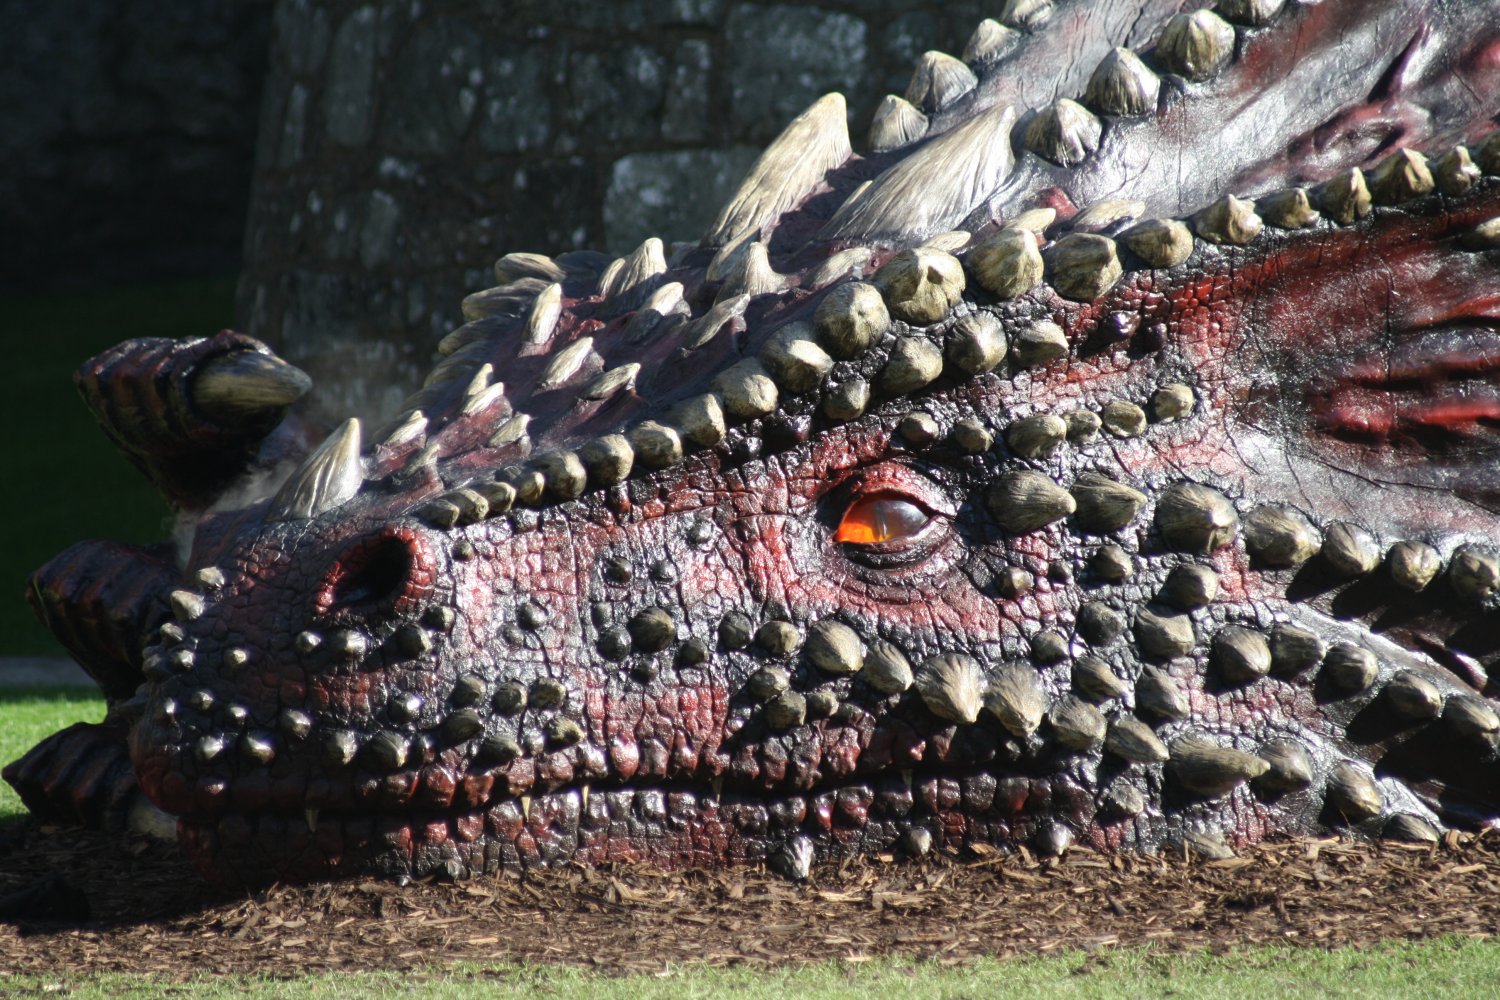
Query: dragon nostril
[
  {"x": 391, "y": 571},
  {"x": 372, "y": 574}
]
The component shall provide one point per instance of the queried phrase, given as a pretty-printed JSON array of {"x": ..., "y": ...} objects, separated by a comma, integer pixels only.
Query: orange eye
[{"x": 881, "y": 517}]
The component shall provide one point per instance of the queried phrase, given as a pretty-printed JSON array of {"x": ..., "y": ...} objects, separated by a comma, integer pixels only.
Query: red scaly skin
[{"x": 393, "y": 675}]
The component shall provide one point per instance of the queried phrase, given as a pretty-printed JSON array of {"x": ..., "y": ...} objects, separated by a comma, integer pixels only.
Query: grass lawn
[
  {"x": 27, "y": 716},
  {"x": 68, "y": 482},
  {"x": 1440, "y": 968}
]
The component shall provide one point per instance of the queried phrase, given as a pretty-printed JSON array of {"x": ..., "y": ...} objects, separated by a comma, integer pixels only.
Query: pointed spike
[
  {"x": 952, "y": 687},
  {"x": 608, "y": 383},
  {"x": 1131, "y": 739},
  {"x": 990, "y": 41},
  {"x": 1228, "y": 220},
  {"x": 644, "y": 263},
  {"x": 1026, "y": 501},
  {"x": 886, "y": 669},
  {"x": 1210, "y": 770},
  {"x": 1163, "y": 636},
  {"x": 566, "y": 363},
  {"x": 1353, "y": 794},
  {"x": 1288, "y": 209},
  {"x": 1122, "y": 85},
  {"x": 1015, "y": 697},
  {"x": 1252, "y": 12},
  {"x": 1104, "y": 505},
  {"x": 511, "y": 299},
  {"x": 1077, "y": 725},
  {"x": 1240, "y": 655},
  {"x": 895, "y": 124},
  {"x": 514, "y": 266},
  {"x": 727, "y": 259},
  {"x": 792, "y": 165},
  {"x": 934, "y": 188},
  {"x": 541, "y": 321},
  {"x": 1455, "y": 172},
  {"x": 842, "y": 264},
  {"x": 1064, "y": 132},
  {"x": 938, "y": 81},
  {"x": 412, "y": 428},
  {"x": 1344, "y": 198},
  {"x": 1195, "y": 518},
  {"x": 1196, "y": 46},
  {"x": 921, "y": 286},
  {"x": 1083, "y": 266},
  {"x": 1156, "y": 692},
  {"x": 752, "y": 276},
  {"x": 480, "y": 381},
  {"x": 246, "y": 385},
  {"x": 1400, "y": 177},
  {"x": 1027, "y": 15},
  {"x": 329, "y": 476},
  {"x": 1008, "y": 264},
  {"x": 511, "y": 431},
  {"x": 608, "y": 459},
  {"x": 1159, "y": 242}
]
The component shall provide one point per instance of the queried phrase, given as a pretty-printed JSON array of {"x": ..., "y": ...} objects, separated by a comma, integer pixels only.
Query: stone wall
[
  {"x": 406, "y": 145},
  {"x": 129, "y": 133}
]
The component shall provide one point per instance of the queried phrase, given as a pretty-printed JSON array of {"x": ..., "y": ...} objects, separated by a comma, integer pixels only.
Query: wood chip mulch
[{"x": 149, "y": 912}]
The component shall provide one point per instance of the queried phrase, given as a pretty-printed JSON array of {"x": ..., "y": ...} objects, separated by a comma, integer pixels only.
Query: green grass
[
  {"x": 1442, "y": 968},
  {"x": 29, "y": 716},
  {"x": 67, "y": 481}
]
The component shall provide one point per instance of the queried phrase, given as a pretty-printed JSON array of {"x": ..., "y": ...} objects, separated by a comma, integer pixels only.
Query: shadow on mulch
[{"x": 151, "y": 913}]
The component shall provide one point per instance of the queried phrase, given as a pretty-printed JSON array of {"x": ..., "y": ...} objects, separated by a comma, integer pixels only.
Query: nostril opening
[{"x": 373, "y": 575}]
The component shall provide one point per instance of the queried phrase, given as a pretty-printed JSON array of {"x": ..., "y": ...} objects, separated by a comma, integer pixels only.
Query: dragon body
[{"x": 1105, "y": 454}]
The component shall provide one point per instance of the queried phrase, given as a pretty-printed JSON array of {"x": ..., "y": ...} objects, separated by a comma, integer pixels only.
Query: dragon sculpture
[{"x": 1108, "y": 454}]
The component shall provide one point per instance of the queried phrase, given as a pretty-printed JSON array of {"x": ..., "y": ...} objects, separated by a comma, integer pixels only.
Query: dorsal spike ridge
[{"x": 793, "y": 165}]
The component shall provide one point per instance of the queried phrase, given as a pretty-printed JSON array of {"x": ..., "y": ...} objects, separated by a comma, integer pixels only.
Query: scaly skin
[{"x": 482, "y": 641}]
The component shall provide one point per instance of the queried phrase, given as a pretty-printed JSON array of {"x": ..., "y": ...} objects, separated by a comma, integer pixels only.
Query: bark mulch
[{"x": 149, "y": 912}]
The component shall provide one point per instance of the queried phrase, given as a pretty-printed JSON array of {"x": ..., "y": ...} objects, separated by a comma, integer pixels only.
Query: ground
[{"x": 151, "y": 914}]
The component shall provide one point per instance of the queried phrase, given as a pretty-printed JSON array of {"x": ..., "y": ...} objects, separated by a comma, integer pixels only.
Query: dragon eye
[{"x": 881, "y": 517}]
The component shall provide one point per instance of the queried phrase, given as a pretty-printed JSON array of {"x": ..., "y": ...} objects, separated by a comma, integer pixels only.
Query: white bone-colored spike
[
  {"x": 707, "y": 326},
  {"x": 481, "y": 401},
  {"x": 792, "y": 165},
  {"x": 1026, "y": 14},
  {"x": 611, "y": 277},
  {"x": 990, "y": 41},
  {"x": 896, "y": 123},
  {"x": 511, "y": 431},
  {"x": 665, "y": 299},
  {"x": 480, "y": 381},
  {"x": 566, "y": 364},
  {"x": 328, "y": 477},
  {"x": 934, "y": 188},
  {"x": 645, "y": 262},
  {"x": 728, "y": 256},
  {"x": 545, "y": 310},
  {"x": 850, "y": 261},
  {"x": 413, "y": 427},
  {"x": 938, "y": 80},
  {"x": 753, "y": 276}
]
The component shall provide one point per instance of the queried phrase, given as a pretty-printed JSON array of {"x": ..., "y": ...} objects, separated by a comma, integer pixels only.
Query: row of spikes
[{"x": 920, "y": 287}]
